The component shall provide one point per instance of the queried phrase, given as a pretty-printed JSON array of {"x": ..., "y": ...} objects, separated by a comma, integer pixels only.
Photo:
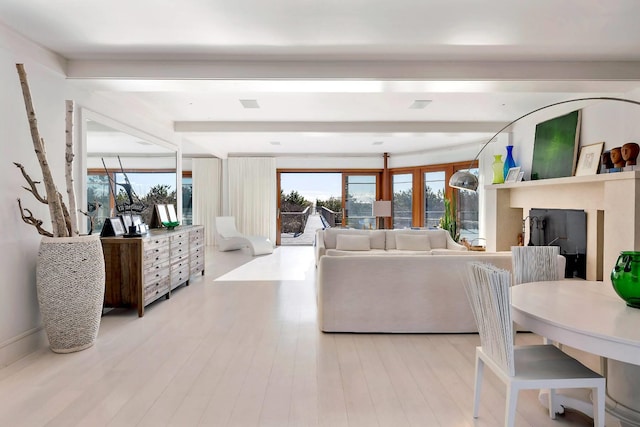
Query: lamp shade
[
  {"x": 382, "y": 208},
  {"x": 464, "y": 180}
]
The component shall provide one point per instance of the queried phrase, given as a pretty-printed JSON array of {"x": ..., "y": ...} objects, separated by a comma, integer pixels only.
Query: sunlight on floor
[{"x": 285, "y": 263}]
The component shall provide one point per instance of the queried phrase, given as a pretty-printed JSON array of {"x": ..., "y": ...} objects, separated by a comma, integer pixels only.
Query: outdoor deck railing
[{"x": 295, "y": 222}]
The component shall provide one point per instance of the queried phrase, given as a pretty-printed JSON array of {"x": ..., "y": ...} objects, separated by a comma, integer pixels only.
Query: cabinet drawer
[
  {"x": 179, "y": 249},
  {"x": 154, "y": 257},
  {"x": 156, "y": 272},
  {"x": 155, "y": 242},
  {"x": 179, "y": 237},
  {"x": 196, "y": 236},
  {"x": 179, "y": 275},
  {"x": 196, "y": 265},
  {"x": 155, "y": 290},
  {"x": 197, "y": 252}
]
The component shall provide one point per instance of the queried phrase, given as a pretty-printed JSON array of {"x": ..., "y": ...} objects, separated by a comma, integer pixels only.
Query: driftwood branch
[
  {"x": 33, "y": 189},
  {"x": 70, "y": 215},
  {"x": 55, "y": 207},
  {"x": 27, "y": 216}
]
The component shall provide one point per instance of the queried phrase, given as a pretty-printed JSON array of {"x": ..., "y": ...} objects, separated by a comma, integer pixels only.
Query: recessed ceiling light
[
  {"x": 274, "y": 142},
  {"x": 249, "y": 103},
  {"x": 378, "y": 142},
  {"x": 419, "y": 104}
]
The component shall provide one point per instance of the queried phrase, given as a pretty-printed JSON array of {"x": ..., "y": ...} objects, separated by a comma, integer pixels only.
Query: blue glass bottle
[{"x": 509, "y": 162}]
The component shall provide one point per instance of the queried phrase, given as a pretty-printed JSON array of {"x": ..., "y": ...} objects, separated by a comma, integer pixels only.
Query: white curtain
[
  {"x": 252, "y": 195},
  {"x": 207, "y": 195}
]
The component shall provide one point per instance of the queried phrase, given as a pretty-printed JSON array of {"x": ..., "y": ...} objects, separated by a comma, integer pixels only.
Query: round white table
[{"x": 591, "y": 317}]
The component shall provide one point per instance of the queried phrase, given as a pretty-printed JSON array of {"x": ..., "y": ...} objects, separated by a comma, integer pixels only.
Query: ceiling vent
[
  {"x": 249, "y": 103},
  {"x": 420, "y": 104}
]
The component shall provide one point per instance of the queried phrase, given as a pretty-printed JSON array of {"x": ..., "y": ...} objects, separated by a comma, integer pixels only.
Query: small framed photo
[
  {"x": 127, "y": 219},
  {"x": 513, "y": 174},
  {"x": 161, "y": 210},
  {"x": 520, "y": 176},
  {"x": 171, "y": 210},
  {"x": 112, "y": 227},
  {"x": 137, "y": 220},
  {"x": 589, "y": 160}
]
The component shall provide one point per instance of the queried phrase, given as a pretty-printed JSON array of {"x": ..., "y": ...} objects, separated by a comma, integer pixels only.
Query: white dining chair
[
  {"x": 520, "y": 367},
  {"x": 535, "y": 264}
]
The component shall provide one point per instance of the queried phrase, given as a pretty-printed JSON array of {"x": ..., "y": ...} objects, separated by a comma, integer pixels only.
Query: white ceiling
[{"x": 338, "y": 77}]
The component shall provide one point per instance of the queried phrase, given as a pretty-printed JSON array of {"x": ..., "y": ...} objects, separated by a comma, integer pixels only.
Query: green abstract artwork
[{"x": 555, "y": 147}]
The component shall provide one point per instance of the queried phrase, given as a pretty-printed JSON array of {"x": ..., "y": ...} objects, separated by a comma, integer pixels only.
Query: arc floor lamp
[{"x": 465, "y": 180}]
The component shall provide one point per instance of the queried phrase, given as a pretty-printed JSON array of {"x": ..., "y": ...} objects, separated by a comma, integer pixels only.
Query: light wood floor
[{"x": 242, "y": 351}]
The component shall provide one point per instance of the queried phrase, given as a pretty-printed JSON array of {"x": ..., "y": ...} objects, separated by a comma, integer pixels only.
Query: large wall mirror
[{"x": 126, "y": 172}]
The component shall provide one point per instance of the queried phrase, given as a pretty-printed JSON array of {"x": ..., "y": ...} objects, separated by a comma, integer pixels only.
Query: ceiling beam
[
  {"x": 415, "y": 70},
  {"x": 337, "y": 127}
]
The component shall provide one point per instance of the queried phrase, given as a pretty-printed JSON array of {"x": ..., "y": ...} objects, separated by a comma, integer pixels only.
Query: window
[
  {"x": 434, "y": 186},
  {"x": 187, "y": 200},
  {"x": 402, "y": 208},
  {"x": 468, "y": 213}
]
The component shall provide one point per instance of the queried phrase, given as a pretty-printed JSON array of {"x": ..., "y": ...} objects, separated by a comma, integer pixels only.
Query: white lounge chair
[{"x": 228, "y": 238}]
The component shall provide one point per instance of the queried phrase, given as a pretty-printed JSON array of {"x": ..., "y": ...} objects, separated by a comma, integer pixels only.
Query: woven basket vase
[{"x": 70, "y": 279}]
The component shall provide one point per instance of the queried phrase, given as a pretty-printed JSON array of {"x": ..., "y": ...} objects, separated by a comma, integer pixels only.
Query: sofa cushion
[
  {"x": 413, "y": 242},
  {"x": 377, "y": 237},
  {"x": 347, "y": 242},
  {"x": 438, "y": 239},
  {"x": 337, "y": 252}
]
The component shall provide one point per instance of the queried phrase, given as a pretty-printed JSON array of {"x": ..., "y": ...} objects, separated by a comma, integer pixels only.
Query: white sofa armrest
[
  {"x": 452, "y": 244},
  {"x": 320, "y": 248}
]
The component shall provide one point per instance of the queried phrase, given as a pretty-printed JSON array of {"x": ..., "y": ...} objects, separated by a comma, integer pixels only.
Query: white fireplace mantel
[{"x": 609, "y": 201}]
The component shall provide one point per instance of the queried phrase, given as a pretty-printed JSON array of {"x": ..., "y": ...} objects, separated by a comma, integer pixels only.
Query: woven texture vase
[{"x": 70, "y": 279}]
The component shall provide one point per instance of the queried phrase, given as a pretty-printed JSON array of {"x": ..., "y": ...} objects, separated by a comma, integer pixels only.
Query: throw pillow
[
  {"x": 346, "y": 242},
  {"x": 413, "y": 242}
]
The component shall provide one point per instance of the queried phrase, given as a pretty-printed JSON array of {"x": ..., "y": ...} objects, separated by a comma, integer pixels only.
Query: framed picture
[
  {"x": 171, "y": 210},
  {"x": 589, "y": 160},
  {"x": 555, "y": 147},
  {"x": 113, "y": 227},
  {"x": 137, "y": 220},
  {"x": 520, "y": 176},
  {"x": 161, "y": 209},
  {"x": 512, "y": 175},
  {"x": 127, "y": 219}
]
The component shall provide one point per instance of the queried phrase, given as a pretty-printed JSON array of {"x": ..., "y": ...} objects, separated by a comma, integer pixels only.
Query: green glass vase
[
  {"x": 498, "y": 169},
  {"x": 625, "y": 277}
]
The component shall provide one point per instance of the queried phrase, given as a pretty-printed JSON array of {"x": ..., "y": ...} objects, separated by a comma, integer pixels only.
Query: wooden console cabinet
[{"x": 139, "y": 270}]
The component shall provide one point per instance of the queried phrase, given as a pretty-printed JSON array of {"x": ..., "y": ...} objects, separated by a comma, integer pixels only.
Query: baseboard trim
[{"x": 21, "y": 345}]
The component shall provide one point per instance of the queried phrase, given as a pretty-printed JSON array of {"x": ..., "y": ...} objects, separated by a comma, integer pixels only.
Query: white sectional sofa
[
  {"x": 343, "y": 241},
  {"x": 390, "y": 290},
  {"x": 409, "y": 293}
]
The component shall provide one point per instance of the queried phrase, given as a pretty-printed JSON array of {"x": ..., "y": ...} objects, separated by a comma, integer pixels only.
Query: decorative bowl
[{"x": 170, "y": 224}]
